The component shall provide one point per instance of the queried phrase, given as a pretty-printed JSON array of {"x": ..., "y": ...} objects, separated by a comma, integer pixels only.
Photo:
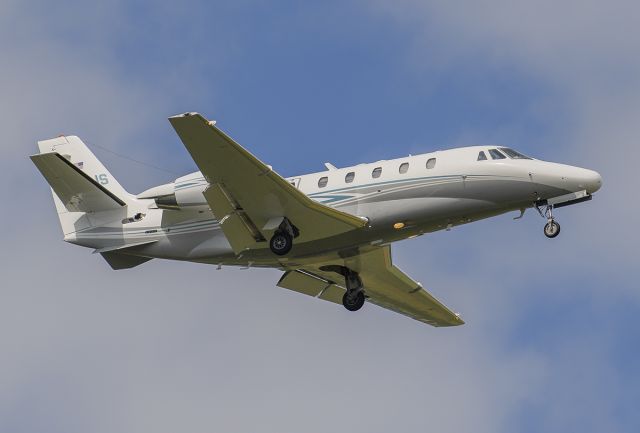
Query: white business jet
[{"x": 330, "y": 232}]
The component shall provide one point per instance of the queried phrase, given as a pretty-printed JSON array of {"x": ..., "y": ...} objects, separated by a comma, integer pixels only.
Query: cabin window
[
  {"x": 513, "y": 154},
  {"x": 431, "y": 163},
  {"x": 496, "y": 154},
  {"x": 349, "y": 177},
  {"x": 482, "y": 156},
  {"x": 322, "y": 182},
  {"x": 404, "y": 167},
  {"x": 376, "y": 172}
]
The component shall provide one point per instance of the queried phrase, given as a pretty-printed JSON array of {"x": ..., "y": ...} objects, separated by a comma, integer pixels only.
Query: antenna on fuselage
[{"x": 330, "y": 166}]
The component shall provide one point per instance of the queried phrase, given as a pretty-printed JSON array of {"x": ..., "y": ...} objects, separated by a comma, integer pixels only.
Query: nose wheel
[{"x": 551, "y": 228}]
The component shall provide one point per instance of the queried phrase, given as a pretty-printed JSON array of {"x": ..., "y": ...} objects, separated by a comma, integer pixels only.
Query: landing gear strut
[
  {"x": 551, "y": 228},
  {"x": 353, "y": 298}
]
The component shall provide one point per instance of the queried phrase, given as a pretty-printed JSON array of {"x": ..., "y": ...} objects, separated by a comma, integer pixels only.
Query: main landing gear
[
  {"x": 551, "y": 228},
  {"x": 281, "y": 243},
  {"x": 354, "y": 298},
  {"x": 282, "y": 240}
]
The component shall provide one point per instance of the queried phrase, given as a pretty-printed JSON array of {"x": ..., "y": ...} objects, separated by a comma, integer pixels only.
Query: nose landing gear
[{"x": 551, "y": 228}]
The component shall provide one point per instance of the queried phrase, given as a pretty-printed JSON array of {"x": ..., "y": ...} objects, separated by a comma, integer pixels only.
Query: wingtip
[
  {"x": 187, "y": 114},
  {"x": 179, "y": 117}
]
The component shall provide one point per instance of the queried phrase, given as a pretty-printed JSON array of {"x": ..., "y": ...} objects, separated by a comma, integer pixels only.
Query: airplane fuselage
[{"x": 399, "y": 198}]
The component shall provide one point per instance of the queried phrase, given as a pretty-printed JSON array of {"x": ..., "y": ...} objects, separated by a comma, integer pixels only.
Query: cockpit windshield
[
  {"x": 513, "y": 154},
  {"x": 496, "y": 154}
]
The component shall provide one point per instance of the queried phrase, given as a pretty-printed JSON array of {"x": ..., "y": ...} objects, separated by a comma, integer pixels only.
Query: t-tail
[{"x": 86, "y": 196}]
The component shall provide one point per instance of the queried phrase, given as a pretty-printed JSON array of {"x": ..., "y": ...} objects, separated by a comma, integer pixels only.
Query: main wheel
[
  {"x": 551, "y": 229},
  {"x": 353, "y": 301},
  {"x": 281, "y": 243}
]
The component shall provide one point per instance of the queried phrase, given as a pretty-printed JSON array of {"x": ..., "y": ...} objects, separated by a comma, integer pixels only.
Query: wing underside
[{"x": 385, "y": 285}]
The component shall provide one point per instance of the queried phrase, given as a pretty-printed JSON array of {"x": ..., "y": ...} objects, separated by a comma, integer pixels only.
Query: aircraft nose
[{"x": 590, "y": 180}]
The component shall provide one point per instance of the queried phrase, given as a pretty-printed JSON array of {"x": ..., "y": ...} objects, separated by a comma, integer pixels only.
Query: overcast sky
[{"x": 552, "y": 338}]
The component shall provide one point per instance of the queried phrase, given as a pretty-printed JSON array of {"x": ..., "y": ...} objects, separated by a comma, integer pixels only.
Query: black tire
[
  {"x": 353, "y": 302},
  {"x": 551, "y": 229},
  {"x": 281, "y": 243}
]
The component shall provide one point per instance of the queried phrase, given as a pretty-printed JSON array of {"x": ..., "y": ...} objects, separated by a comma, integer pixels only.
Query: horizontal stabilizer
[
  {"x": 118, "y": 258},
  {"x": 124, "y": 246},
  {"x": 76, "y": 190},
  {"x": 123, "y": 261}
]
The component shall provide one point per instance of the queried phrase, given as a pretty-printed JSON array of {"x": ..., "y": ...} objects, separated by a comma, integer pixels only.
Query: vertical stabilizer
[
  {"x": 80, "y": 183},
  {"x": 76, "y": 152}
]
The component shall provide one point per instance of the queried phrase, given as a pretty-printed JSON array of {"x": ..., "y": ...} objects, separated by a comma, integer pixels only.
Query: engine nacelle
[{"x": 185, "y": 193}]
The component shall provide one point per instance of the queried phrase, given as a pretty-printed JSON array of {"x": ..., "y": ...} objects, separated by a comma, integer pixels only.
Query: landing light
[{"x": 398, "y": 226}]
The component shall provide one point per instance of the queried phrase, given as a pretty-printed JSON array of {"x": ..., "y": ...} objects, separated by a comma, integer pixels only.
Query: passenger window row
[{"x": 376, "y": 173}]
